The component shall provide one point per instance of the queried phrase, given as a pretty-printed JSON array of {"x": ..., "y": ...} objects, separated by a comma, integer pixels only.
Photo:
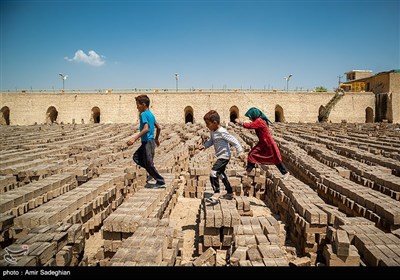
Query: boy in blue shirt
[{"x": 145, "y": 153}]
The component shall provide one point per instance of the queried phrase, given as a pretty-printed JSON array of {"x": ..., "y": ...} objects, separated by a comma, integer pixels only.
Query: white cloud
[{"x": 91, "y": 58}]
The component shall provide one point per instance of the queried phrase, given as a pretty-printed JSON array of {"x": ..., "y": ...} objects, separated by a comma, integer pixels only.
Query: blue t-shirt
[{"x": 147, "y": 117}]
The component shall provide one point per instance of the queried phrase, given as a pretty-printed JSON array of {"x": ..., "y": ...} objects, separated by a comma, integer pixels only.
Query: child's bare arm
[
  {"x": 158, "y": 131},
  {"x": 140, "y": 134}
]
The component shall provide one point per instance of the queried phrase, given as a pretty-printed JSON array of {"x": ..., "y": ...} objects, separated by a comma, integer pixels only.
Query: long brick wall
[{"x": 169, "y": 107}]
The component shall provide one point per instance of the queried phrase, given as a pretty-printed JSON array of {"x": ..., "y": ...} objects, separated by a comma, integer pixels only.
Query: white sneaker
[{"x": 214, "y": 199}]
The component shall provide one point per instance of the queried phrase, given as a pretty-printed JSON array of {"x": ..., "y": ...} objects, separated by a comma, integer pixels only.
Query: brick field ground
[{"x": 72, "y": 196}]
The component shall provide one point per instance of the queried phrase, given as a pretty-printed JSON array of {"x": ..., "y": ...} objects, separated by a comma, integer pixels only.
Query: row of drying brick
[
  {"x": 154, "y": 243},
  {"x": 46, "y": 245},
  {"x": 144, "y": 203},
  {"x": 365, "y": 198}
]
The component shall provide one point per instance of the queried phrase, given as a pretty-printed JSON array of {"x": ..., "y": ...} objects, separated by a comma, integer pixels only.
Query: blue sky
[{"x": 210, "y": 44}]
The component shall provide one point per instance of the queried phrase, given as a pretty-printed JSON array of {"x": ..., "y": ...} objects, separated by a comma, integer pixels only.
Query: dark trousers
[
  {"x": 282, "y": 168},
  {"x": 218, "y": 171},
  {"x": 144, "y": 157}
]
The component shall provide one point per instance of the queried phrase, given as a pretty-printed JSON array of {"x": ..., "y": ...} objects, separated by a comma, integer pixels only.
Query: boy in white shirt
[{"x": 221, "y": 139}]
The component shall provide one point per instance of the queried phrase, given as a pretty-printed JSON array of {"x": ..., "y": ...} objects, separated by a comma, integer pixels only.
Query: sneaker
[
  {"x": 149, "y": 178},
  {"x": 228, "y": 196},
  {"x": 212, "y": 200},
  {"x": 159, "y": 185}
]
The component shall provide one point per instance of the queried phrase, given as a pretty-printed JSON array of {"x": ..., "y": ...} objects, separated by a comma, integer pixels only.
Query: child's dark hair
[
  {"x": 212, "y": 116},
  {"x": 143, "y": 99}
]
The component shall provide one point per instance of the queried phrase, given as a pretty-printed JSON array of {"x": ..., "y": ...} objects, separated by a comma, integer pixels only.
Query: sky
[{"x": 209, "y": 44}]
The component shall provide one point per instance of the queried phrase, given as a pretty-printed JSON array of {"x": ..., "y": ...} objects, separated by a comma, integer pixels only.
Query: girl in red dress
[{"x": 265, "y": 152}]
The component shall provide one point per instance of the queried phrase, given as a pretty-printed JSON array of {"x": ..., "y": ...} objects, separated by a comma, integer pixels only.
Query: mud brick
[
  {"x": 207, "y": 240},
  {"x": 216, "y": 241},
  {"x": 6, "y": 221},
  {"x": 218, "y": 219},
  {"x": 239, "y": 202},
  {"x": 86, "y": 209},
  {"x": 282, "y": 261},
  {"x": 79, "y": 245},
  {"x": 238, "y": 255},
  {"x": 385, "y": 261},
  {"x": 126, "y": 224},
  {"x": 205, "y": 257},
  {"x": 74, "y": 232},
  {"x": 44, "y": 252},
  {"x": 246, "y": 204},
  {"x": 269, "y": 262},
  {"x": 27, "y": 261},
  {"x": 388, "y": 252},
  {"x": 61, "y": 239},
  {"x": 262, "y": 239},
  {"x": 353, "y": 259},
  {"x": 270, "y": 251},
  {"x": 240, "y": 240},
  {"x": 235, "y": 217},
  {"x": 268, "y": 229},
  {"x": 273, "y": 238},
  {"x": 115, "y": 244},
  {"x": 210, "y": 218},
  {"x": 341, "y": 243},
  {"x": 244, "y": 263},
  {"x": 250, "y": 240},
  {"x": 117, "y": 222},
  {"x": 226, "y": 218},
  {"x": 253, "y": 254},
  {"x": 274, "y": 223},
  {"x": 108, "y": 245},
  {"x": 395, "y": 248},
  {"x": 257, "y": 229},
  {"x": 227, "y": 240},
  {"x": 312, "y": 216},
  {"x": 63, "y": 257},
  {"x": 247, "y": 229},
  {"x": 6, "y": 204}
]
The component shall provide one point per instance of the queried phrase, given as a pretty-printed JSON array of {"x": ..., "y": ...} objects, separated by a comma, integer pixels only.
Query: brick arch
[
  {"x": 233, "y": 113},
  {"x": 279, "y": 114},
  {"x": 95, "y": 116},
  {"x": 5, "y": 116},
  {"x": 189, "y": 115},
  {"x": 51, "y": 115}
]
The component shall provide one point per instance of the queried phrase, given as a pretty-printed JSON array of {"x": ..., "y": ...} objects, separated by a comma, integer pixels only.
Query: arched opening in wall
[
  {"x": 188, "y": 112},
  {"x": 369, "y": 115},
  {"x": 51, "y": 115},
  {"x": 5, "y": 116},
  {"x": 279, "y": 115},
  {"x": 321, "y": 113},
  {"x": 95, "y": 115},
  {"x": 233, "y": 113}
]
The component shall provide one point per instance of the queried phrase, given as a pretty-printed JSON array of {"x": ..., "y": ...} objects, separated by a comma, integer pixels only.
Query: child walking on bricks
[{"x": 220, "y": 138}]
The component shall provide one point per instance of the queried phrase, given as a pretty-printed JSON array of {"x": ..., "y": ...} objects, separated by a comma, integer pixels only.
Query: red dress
[{"x": 265, "y": 151}]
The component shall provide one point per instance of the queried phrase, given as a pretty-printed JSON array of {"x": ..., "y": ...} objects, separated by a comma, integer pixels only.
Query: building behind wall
[{"x": 385, "y": 86}]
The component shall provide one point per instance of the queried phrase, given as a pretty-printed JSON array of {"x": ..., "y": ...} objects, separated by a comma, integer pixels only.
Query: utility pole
[{"x": 339, "y": 81}]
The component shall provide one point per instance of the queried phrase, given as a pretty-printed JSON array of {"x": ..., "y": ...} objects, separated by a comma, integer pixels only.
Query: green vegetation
[{"x": 321, "y": 89}]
